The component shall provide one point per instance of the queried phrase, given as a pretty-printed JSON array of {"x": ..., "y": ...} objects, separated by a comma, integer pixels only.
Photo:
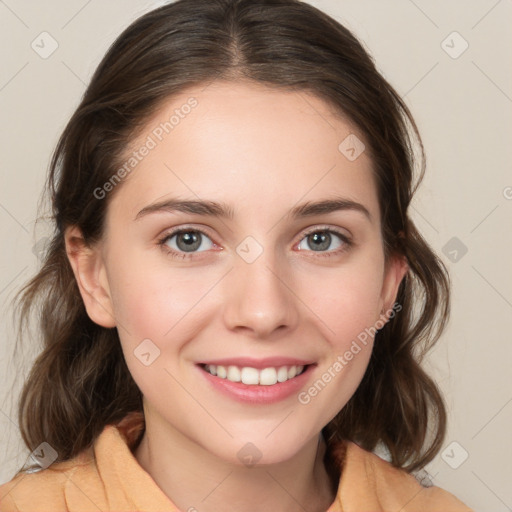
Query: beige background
[{"x": 463, "y": 107}]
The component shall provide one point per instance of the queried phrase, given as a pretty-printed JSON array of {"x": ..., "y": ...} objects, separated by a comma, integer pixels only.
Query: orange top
[{"x": 107, "y": 477}]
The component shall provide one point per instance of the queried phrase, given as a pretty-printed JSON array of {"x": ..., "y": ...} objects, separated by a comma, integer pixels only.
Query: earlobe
[
  {"x": 88, "y": 268},
  {"x": 396, "y": 271}
]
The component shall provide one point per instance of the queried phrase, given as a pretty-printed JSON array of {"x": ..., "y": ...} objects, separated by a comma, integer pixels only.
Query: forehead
[{"x": 249, "y": 144}]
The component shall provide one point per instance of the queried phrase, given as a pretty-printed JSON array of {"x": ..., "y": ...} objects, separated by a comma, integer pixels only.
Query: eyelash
[{"x": 325, "y": 254}]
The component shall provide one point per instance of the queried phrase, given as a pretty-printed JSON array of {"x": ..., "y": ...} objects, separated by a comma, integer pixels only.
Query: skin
[{"x": 262, "y": 151}]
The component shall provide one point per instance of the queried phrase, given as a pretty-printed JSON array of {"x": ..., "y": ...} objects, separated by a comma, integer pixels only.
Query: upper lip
[{"x": 259, "y": 363}]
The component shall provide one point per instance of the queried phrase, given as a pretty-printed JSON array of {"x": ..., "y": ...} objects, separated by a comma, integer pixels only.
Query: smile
[{"x": 253, "y": 376}]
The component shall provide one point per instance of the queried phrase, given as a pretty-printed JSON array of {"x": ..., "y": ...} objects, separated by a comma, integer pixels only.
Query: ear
[
  {"x": 396, "y": 269},
  {"x": 91, "y": 277}
]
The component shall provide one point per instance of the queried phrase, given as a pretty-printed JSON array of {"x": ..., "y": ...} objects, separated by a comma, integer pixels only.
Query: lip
[
  {"x": 257, "y": 394},
  {"x": 259, "y": 364}
]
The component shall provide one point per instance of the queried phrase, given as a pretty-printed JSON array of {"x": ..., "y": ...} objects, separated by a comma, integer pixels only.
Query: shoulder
[
  {"x": 25, "y": 490},
  {"x": 80, "y": 481},
  {"x": 46, "y": 489},
  {"x": 390, "y": 488}
]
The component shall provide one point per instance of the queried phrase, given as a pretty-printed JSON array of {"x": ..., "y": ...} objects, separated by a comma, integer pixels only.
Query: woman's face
[{"x": 258, "y": 271}]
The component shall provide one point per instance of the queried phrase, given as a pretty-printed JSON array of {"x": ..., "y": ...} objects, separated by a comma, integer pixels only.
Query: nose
[{"x": 258, "y": 298}]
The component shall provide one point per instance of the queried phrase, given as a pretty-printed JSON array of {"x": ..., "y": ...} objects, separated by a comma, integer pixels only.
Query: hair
[{"x": 80, "y": 382}]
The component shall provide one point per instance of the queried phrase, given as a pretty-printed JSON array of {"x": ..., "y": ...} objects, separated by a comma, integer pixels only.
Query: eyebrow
[{"x": 222, "y": 210}]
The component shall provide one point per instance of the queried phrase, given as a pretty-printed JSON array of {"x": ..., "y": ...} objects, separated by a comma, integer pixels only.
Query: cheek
[
  {"x": 149, "y": 301},
  {"x": 153, "y": 308},
  {"x": 346, "y": 312},
  {"x": 345, "y": 300}
]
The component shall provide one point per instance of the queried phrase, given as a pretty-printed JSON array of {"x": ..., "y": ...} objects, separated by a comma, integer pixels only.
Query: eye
[
  {"x": 182, "y": 241},
  {"x": 185, "y": 242},
  {"x": 322, "y": 239}
]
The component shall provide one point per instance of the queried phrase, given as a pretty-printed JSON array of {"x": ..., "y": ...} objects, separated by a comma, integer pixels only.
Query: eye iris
[
  {"x": 323, "y": 238},
  {"x": 191, "y": 240}
]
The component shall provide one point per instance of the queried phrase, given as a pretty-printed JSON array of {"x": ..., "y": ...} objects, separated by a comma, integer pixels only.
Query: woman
[{"x": 230, "y": 300}]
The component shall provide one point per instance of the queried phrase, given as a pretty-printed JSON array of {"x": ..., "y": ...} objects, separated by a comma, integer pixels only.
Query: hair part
[{"x": 80, "y": 381}]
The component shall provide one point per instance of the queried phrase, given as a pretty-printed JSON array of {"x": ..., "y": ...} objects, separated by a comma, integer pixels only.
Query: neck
[{"x": 196, "y": 480}]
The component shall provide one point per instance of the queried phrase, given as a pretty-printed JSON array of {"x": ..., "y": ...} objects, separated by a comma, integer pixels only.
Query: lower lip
[{"x": 256, "y": 393}]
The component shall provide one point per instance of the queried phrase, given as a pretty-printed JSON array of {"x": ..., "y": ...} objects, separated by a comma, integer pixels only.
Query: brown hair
[{"x": 80, "y": 381}]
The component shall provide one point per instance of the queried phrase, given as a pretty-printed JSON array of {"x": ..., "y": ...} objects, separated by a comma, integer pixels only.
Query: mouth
[
  {"x": 250, "y": 376},
  {"x": 257, "y": 381}
]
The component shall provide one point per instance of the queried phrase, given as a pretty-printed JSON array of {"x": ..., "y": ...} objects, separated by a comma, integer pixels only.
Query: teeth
[
  {"x": 253, "y": 376},
  {"x": 250, "y": 376},
  {"x": 234, "y": 374}
]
